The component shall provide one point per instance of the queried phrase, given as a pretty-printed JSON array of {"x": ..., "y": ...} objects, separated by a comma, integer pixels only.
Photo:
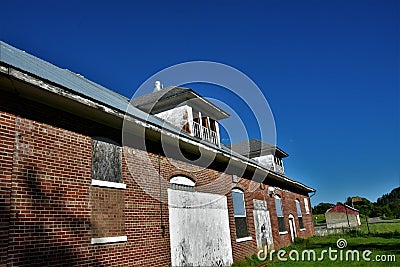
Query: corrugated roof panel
[
  {"x": 28, "y": 63},
  {"x": 38, "y": 67}
]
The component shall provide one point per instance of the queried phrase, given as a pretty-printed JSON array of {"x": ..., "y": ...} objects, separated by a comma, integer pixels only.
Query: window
[
  {"x": 107, "y": 194},
  {"x": 239, "y": 212},
  {"x": 299, "y": 215},
  {"x": 306, "y": 206},
  {"x": 279, "y": 214},
  {"x": 182, "y": 183},
  {"x": 106, "y": 160}
]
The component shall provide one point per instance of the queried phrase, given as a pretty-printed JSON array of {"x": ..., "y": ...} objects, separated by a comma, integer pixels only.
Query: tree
[
  {"x": 321, "y": 208},
  {"x": 391, "y": 203}
]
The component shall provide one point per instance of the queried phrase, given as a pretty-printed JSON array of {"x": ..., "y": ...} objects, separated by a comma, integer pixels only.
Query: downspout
[{"x": 161, "y": 205}]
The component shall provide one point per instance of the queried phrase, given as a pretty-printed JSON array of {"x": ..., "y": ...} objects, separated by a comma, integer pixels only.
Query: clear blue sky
[{"x": 329, "y": 69}]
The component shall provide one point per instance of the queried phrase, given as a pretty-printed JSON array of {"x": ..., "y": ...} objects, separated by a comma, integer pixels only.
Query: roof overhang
[{"x": 186, "y": 97}]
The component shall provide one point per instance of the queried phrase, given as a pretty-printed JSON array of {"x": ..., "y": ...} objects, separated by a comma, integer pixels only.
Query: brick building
[{"x": 89, "y": 180}]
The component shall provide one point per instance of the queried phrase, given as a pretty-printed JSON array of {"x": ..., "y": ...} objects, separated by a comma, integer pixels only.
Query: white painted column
[
  {"x": 190, "y": 120},
  {"x": 201, "y": 125},
  {"x": 218, "y": 136}
]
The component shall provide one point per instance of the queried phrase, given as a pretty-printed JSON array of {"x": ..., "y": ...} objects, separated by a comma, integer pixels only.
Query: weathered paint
[
  {"x": 342, "y": 216},
  {"x": 199, "y": 229},
  {"x": 340, "y": 220},
  {"x": 262, "y": 224},
  {"x": 268, "y": 161},
  {"x": 179, "y": 117}
]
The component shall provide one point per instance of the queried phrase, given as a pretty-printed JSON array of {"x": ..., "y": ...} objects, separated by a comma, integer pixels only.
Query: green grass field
[
  {"x": 383, "y": 242},
  {"x": 379, "y": 246},
  {"x": 319, "y": 218},
  {"x": 381, "y": 227}
]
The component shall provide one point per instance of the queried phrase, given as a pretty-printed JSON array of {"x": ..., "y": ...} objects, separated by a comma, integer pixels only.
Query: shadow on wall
[
  {"x": 45, "y": 232},
  {"x": 4, "y": 221}
]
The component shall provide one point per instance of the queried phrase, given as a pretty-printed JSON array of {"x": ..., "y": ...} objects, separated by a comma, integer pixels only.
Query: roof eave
[{"x": 41, "y": 83}]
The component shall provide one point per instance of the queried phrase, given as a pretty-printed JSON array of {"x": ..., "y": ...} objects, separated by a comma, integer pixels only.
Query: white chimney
[{"x": 157, "y": 86}]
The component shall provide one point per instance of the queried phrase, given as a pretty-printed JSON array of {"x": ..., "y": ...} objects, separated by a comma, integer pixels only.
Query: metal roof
[
  {"x": 340, "y": 207},
  {"x": 163, "y": 94},
  {"x": 77, "y": 83},
  {"x": 64, "y": 77}
]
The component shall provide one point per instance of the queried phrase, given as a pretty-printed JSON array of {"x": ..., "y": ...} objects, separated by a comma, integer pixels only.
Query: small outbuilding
[{"x": 342, "y": 216}]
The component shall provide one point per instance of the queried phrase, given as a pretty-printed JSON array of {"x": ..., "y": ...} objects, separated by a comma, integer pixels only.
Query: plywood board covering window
[{"x": 106, "y": 161}]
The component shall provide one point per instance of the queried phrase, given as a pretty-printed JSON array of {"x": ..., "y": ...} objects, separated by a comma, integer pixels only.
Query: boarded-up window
[
  {"x": 106, "y": 161},
  {"x": 107, "y": 193},
  {"x": 239, "y": 212},
  {"x": 182, "y": 183},
  {"x": 107, "y": 206}
]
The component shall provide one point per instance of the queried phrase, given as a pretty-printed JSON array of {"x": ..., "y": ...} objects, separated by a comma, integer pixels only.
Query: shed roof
[{"x": 343, "y": 208}]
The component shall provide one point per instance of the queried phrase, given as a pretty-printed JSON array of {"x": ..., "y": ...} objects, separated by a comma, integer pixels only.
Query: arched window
[
  {"x": 239, "y": 212},
  {"x": 182, "y": 183},
  {"x": 279, "y": 214},
  {"x": 299, "y": 214}
]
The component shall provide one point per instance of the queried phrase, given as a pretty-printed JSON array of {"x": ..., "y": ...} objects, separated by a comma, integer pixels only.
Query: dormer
[
  {"x": 185, "y": 109},
  {"x": 267, "y": 155}
]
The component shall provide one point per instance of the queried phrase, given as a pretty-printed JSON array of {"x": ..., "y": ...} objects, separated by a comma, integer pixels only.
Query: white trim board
[
  {"x": 248, "y": 238},
  {"x": 107, "y": 240},
  {"x": 101, "y": 183}
]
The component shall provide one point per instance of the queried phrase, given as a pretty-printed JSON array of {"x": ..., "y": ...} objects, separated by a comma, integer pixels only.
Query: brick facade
[
  {"x": 7, "y": 133},
  {"x": 50, "y": 211}
]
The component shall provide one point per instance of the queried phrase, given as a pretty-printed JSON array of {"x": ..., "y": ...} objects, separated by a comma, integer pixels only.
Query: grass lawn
[
  {"x": 384, "y": 241},
  {"x": 381, "y": 227},
  {"x": 319, "y": 218},
  {"x": 377, "y": 245}
]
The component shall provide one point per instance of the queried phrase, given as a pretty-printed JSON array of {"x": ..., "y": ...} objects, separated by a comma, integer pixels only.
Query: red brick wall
[
  {"x": 253, "y": 191},
  {"x": 107, "y": 212},
  {"x": 245, "y": 248},
  {"x": 51, "y": 212},
  {"x": 47, "y": 154},
  {"x": 50, "y": 217},
  {"x": 7, "y": 137},
  {"x": 289, "y": 207}
]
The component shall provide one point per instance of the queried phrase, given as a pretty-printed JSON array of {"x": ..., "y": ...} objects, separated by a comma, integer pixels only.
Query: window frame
[
  {"x": 299, "y": 215},
  {"x": 183, "y": 183},
  {"x": 117, "y": 183},
  {"x": 280, "y": 217},
  {"x": 248, "y": 236}
]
